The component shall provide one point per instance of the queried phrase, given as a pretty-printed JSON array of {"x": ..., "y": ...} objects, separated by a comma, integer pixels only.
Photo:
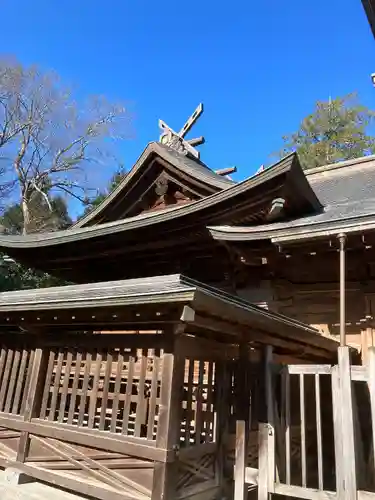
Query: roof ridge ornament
[{"x": 176, "y": 140}]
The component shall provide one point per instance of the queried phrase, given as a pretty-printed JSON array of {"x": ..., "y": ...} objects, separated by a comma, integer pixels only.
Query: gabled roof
[
  {"x": 159, "y": 301},
  {"x": 156, "y": 160},
  {"x": 347, "y": 191},
  {"x": 369, "y": 6},
  {"x": 96, "y": 251}
]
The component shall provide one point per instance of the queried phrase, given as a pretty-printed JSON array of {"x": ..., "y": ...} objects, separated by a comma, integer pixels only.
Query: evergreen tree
[
  {"x": 337, "y": 130},
  {"x": 114, "y": 182}
]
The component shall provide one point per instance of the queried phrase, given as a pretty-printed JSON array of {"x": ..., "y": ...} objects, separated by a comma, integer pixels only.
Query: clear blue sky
[{"x": 257, "y": 66}]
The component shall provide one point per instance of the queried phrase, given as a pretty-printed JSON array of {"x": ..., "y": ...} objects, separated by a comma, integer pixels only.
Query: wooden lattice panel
[
  {"x": 15, "y": 373},
  {"x": 110, "y": 390},
  {"x": 94, "y": 472},
  {"x": 198, "y": 412},
  {"x": 196, "y": 471}
]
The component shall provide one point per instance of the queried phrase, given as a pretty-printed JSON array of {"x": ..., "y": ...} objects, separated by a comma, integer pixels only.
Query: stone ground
[{"x": 32, "y": 490}]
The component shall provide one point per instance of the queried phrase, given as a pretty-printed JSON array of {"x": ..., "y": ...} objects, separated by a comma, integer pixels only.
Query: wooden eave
[
  {"x": 369, "y": 6},
  {"x": 159, "y": 241},
  {"x": 127, "y": 200},
  {"x": 158, "y": 303},
  {"x": 303, "y": 231}
]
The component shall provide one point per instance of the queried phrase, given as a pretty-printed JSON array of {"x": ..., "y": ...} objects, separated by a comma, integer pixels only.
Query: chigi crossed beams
[{"x": 177, "y": 139}]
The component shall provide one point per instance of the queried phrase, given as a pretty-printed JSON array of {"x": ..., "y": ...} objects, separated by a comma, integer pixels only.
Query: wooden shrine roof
[
  {"x": 87, "y": 253},
  {"x": 369, "y": 6},
  {"x": 159, "y": 302},
  {"x": 156, "y": 159},
  {"x": 345, "y": 189}
]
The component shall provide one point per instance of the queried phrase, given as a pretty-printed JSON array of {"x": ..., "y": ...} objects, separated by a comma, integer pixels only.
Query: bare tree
[{"x": 48, "y": 142}]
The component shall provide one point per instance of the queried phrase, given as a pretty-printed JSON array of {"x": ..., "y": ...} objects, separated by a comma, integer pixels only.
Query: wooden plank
[
  {"x": 118, "y": 478},
  {"x": 107, "y": 376},
  {"x": 209, "y": 402},
  {"x": 28, "y": 379},
  {"x": 78, "y": 485},
  {"x": 140, "y": 412},
  {"x": 189, "y": 400},
  {"x": 366, "y": 495},
  {"x": 270, "y": 418},
  {"x": 170, "y": 399},
  {"x": 129, "y": 445},
  {"x": 94, "y": 393},
  {"x": 266, "y": 443},
  {"x": 251, "y": 475},
  {"x": 192, "y": 452},
  {"x": 153, "y": 394},
  {"x": 47, "y": 385},
  {"x": 6, "y": 376},
  {"x": 58, "y": 448},
  {"x": 85, "y": 385},
  {"x": 348, "y": 457},
  {"x": 205, "y": 490},
  {"x": 33, "y": 399},
  {"x": 240, "y": 461},
  {"x": 117, "y": 388},
  {"x": 128, "y": 393},
  {"x": 242, "y": 409},
  {"x": 73, "y": 397},
  {"x": 287, "y": 426},
  {"x": 305, "y": 493},
  {"x": 337, "y": 429},
  {"x": 303, "y": 428},
  {"x": 65, "y": 386},
  {"x": 3, "y": 356},
  {"x": 263, "y": 461},
  {"x": 319, "y": 431},
  {"x": 371, "y": 386},
  {"x": 12, "y": 380},
  {"x": 309, "y": 369},
  {"x": 359, "y": 373},
  {"x": 199, "y": 403},
  {"x": 20, "y": 382},
  {"x": 56, "y": 386}
]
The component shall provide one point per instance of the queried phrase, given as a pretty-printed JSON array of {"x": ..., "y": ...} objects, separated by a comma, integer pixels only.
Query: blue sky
[{"x": 257, "y": 66}]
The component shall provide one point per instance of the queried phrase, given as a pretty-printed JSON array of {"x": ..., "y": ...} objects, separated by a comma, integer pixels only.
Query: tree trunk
[{"x": 26, "y": 215}]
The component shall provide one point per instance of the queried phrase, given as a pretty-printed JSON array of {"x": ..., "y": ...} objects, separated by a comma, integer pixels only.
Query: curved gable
[{"x": 161, "y": 177}]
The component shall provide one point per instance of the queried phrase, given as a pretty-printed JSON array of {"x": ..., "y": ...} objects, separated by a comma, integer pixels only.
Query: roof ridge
[{"x": 338, "y": 165}]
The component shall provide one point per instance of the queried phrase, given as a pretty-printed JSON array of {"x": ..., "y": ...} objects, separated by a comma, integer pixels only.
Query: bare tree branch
[{"x": 48, "y": 143}]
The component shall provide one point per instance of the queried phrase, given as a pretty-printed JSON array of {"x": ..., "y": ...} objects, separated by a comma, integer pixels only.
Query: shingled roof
[{"x": 345, "y": 189}]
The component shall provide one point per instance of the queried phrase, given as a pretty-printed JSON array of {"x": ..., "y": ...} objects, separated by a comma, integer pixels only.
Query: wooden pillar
[
  {"x": 266, "y": 443},
  {"x": 242, "y": 409},
  {"x": 343, "y": 420},
  {"x": 371, "y": 386},
  {"x": 33, "y": 400},
  {"x": 168, "y": 431}
]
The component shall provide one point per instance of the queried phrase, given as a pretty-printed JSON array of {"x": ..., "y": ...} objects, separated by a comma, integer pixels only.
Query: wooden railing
[
  {"x": 122, "y": 414},
  {"x": 317, "y": 441}
]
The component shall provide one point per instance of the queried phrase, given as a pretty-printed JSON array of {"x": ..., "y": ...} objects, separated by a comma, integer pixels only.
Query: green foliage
[
  {"x": 14, "y": 276},
  {"x": 42, "y": 218},
  {"x": 114, "y": 182},
  {"x": 337, "y": 130}
]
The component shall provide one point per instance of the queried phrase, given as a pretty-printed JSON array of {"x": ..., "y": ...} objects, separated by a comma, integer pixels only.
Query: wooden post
[
  {"x": 167, "y": 436},
  {"x": 242, "y": 422},
  {"x": 371, "y": 386},
  {"x": 33, "y": 400},
  {"x": 337, "y": 430},
  {"x": 342, "y": 240},
  {"x": 266, "y": 447},
  {"x": 348, "y": 459}
]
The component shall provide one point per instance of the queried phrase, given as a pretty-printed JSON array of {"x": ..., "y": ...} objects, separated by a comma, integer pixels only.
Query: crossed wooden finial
[{"x": 176, "y": 140}]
